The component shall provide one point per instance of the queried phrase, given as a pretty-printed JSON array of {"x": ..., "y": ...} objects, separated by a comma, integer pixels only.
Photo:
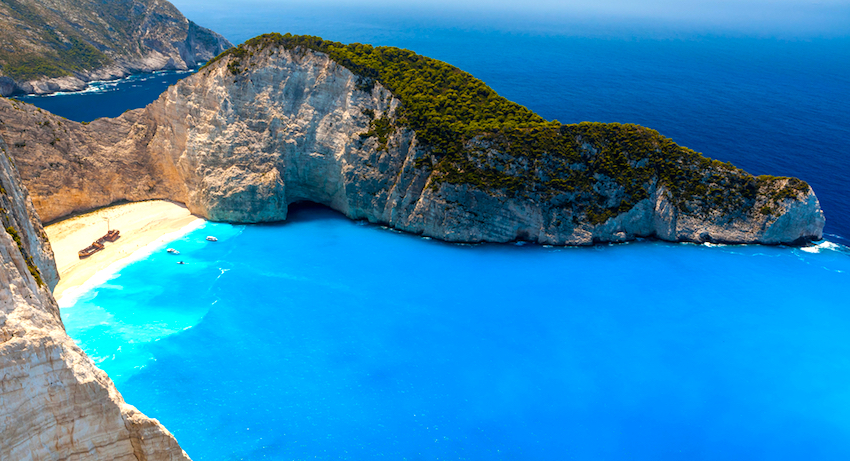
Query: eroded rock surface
[
  {"x": 55, "y": 404},
  {"x": 242, "y": 143}
]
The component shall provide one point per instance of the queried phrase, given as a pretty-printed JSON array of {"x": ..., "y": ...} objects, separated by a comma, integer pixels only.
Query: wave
[
  {"x": 826, "y": 245},
  {"x": 106, "y": 86}
]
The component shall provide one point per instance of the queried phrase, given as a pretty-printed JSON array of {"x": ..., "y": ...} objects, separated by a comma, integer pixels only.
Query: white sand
[{"x": 140, "y": 223}]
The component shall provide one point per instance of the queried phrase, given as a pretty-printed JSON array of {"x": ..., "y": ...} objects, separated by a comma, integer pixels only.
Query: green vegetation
[
  {"x": 68, "y": 51},
  {"x": 445, "y": 105},
  {"x": 381, "y": 128},
  {"x": 480, "y": 138},
  {"x": 30, "y": 264},
  {"x": 74, "y": 56},
  {"x": 31, "y": 66}
]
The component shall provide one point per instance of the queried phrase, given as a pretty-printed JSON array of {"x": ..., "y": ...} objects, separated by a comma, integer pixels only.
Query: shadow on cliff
[{"x": 307, "y": 211}]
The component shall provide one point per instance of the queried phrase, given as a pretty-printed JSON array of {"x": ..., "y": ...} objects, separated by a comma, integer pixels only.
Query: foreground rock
[
  {"x": 270, "y": 126},
  {"x": 60, "y": 45},
  {"x": 55, "y": 404}
]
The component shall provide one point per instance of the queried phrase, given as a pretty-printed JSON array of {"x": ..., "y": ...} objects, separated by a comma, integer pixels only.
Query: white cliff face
[
  {"x": 289, "y": 129},
  {"x": 55, "y": 404},
  {"x": 248, "y": 146},
  {"x": 293, "y": 125}
]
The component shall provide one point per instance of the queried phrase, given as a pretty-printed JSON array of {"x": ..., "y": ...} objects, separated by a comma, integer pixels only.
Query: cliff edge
[
  {"x": 392, "y": 137},
  {"x": 54, "y": 402},
  {"x": 60, "y": 45}
]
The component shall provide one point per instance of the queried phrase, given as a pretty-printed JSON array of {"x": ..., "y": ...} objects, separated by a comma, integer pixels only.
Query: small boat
[
  {"x": 90, "y": 250},
  {"x": 180, "y": 262},
  {"x": 112, "y": 235},
  {"x": 173, "y": 251},
  {"x": 86, "y": 252},
  {"x": 211, "y": 238}
]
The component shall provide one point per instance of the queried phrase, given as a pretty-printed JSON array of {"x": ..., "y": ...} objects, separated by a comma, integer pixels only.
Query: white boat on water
[
  {"x": 211, "y": 238},
  {"x": 173, "y": 251}
]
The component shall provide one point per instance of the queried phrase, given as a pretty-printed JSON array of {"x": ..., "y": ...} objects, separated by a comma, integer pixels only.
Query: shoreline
[
  {"x": 91, "y": 86},
  {"x": 143, "y": 225}
]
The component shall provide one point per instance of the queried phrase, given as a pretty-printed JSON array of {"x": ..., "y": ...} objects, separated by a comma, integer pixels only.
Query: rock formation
[
  {"x": 55, "y": 404},
  {"x": 60, "y": 45},
  {"x": 269, "y": 126}
]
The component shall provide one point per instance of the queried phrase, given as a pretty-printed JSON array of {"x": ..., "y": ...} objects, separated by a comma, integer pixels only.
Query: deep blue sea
[
  {"x": 323, "y": 338},
  {"x": 108, "y": 98}
]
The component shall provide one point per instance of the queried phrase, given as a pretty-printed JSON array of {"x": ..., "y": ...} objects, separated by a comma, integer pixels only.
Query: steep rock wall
[
  {"x": 294, "y": 125},
  {"x": 69, "y": 167},
  {"x": 54, "y": 402}
]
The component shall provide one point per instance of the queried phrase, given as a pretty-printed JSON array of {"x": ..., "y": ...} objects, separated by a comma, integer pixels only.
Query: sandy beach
[{"x": 140, "y": 223}]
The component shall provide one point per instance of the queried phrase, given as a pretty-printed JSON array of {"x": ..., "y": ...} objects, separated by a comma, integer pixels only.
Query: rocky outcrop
[
  {"x": 244, "y": 138},
  {"x": 69, "y": 166},
  {"x": 55, "y": 404},
  {"x": 60, "y": 45}
]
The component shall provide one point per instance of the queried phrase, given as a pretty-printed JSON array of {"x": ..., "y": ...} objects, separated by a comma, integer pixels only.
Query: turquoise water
[{"x": 324, "y": 338}]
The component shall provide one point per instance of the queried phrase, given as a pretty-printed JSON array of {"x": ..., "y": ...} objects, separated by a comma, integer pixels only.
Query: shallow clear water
[{"x": 324, "y": 338}]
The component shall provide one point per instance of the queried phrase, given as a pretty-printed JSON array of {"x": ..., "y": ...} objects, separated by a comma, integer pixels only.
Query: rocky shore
[
  {"x": 270, "y": 126},
  {"x": 62, "y": 45}
]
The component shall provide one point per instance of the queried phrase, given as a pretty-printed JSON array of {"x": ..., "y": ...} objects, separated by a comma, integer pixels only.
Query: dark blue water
[
  {"x": 108, "y": 99},
  {"x": 324, "y": 338}
]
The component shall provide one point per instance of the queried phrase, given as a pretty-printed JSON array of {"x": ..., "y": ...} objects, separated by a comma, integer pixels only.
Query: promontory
[
  {"x": 60, "y": 45},
  {"x": 386, "y": 135}
]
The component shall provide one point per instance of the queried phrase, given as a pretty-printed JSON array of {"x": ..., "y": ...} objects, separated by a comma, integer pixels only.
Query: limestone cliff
[
  {"x": 60, "y": 45},
  {"x": 275, "y": 122},
  {"x": 54, "y": 402}
]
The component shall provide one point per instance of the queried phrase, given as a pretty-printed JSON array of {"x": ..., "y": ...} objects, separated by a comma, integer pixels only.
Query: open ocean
[{"x": 323, "y": 338}]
